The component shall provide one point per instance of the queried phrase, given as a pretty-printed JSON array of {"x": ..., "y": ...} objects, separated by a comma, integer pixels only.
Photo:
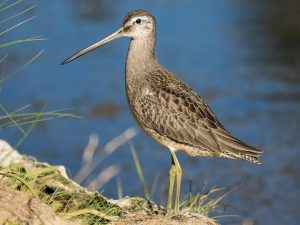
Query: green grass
[
  {"x": 203, "y": 203},
  {"x": 74, "y": 203},
  {"x": 26, "y": 121},
  {"x": 200, "y": 202},
  {"x": 7, "y": 6},
  {"x": 21, "y": 118},
  {"x": 44, "y": 183},
  {"x": 67, "y": 199},
  {"x": 14, "y": 13},
  {"x": 139, "y": 170}
]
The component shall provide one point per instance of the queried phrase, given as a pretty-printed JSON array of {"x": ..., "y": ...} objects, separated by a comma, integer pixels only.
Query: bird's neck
[
  {"x": 141, "y": 56},
  {"x": 139, "y": 64}
]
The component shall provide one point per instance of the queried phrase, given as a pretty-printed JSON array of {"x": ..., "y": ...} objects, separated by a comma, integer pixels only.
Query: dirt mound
[
  {"x": 18, "y": 207},
  {"x": 36, "y": 193},
  {"x": 142, "y": 219}
]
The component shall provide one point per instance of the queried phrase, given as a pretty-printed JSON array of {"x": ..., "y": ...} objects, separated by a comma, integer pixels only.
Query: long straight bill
[{"x": 98, "y": 44}]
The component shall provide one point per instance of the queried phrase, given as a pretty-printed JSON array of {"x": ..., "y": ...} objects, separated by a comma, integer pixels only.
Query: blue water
[{"x": 242, "y": 57}]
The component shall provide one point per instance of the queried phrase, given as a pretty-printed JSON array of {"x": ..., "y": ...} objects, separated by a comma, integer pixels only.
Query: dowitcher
[{"x": 166, "y": 108}]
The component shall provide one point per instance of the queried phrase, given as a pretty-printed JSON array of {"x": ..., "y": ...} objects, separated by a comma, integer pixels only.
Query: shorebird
[{"x": 166, "y": 108}]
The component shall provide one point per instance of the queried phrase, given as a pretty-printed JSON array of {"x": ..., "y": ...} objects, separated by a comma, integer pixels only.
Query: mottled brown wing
[
  {"x": 175, "y": 111},
  {"x": 171, "y": 118}
]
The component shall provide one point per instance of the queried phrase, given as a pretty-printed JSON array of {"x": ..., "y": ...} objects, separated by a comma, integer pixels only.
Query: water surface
[{"x": 242, "y": 57}]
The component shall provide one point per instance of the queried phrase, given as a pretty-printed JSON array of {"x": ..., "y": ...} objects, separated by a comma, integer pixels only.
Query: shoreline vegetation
[{"x": 33, "y": 192}]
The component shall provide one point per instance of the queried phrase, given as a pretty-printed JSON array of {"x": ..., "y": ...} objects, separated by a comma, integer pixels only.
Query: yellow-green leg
[
  {"x": 178, "y": 174},
  {"x": 172, "y": 174}
]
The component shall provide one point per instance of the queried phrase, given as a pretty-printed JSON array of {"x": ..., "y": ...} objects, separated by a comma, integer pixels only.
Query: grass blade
[
  {"x": 3, "y": 58},
  {"x": 139, "y": 170},
  {"x": 106, "y": 175},
  {"x": 119, "y": 188},
  {"x": 25, "y": 65},
  {"x": 108, "y": 149},
  {"x": 9, "y": 6},
  {"x": 12, "y": 119},
  {"x": 18, "y": 14},
  {"x": 87, "y": 211},
  {"x": 25, "y": 135},
  {"x": 7, "y": 173},
  {"x": 3, "y": 3},
  {"x": 19, "y": 41},
  {"x": 17, "y": 25}
]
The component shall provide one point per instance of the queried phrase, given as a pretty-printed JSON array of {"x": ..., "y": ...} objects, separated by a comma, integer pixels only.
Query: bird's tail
[{"x": 234, "y": 148}]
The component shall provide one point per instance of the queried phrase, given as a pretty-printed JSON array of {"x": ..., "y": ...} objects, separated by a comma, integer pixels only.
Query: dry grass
[{"x": 67, "y": 199}]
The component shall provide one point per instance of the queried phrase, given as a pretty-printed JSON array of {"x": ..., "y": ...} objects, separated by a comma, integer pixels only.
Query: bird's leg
[
  {"x": 178, "y": 172},
  {"x": 172, "y": 174}
]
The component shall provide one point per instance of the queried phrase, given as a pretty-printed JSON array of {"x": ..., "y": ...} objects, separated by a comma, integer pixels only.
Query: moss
[
  {"x": 138, "y": 204},
  {"x": 65, "y": 197}
]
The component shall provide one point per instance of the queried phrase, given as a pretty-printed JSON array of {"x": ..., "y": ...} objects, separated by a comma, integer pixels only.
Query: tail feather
[{"x": 234, "y": 148}]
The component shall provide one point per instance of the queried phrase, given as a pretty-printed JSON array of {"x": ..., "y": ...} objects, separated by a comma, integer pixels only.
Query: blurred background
[{"x": 242, "y": 57}]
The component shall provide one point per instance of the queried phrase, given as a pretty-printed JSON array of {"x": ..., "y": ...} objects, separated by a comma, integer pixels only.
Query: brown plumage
[
  {"x": 166, "y": 108},
  {"x": 174, "y": 115}
]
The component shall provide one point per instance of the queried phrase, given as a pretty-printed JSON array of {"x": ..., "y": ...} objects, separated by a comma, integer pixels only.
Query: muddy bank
[{"x": 33, "y": 192}]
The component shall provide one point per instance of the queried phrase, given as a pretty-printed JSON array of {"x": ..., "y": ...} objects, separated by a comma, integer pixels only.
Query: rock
[
  {"x": 17, "y": 207},
  {"x": 8, "y": 155}
]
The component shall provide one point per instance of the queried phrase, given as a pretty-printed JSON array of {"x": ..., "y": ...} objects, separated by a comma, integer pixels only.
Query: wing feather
[{"x": 173, "y": 110}]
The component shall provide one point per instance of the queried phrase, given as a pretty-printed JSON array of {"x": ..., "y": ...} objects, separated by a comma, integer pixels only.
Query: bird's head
[{"x": 138, "y": 24}]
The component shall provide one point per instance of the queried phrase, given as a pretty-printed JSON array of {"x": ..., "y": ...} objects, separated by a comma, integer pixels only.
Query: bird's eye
[{"x": 138, "y": 21}]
